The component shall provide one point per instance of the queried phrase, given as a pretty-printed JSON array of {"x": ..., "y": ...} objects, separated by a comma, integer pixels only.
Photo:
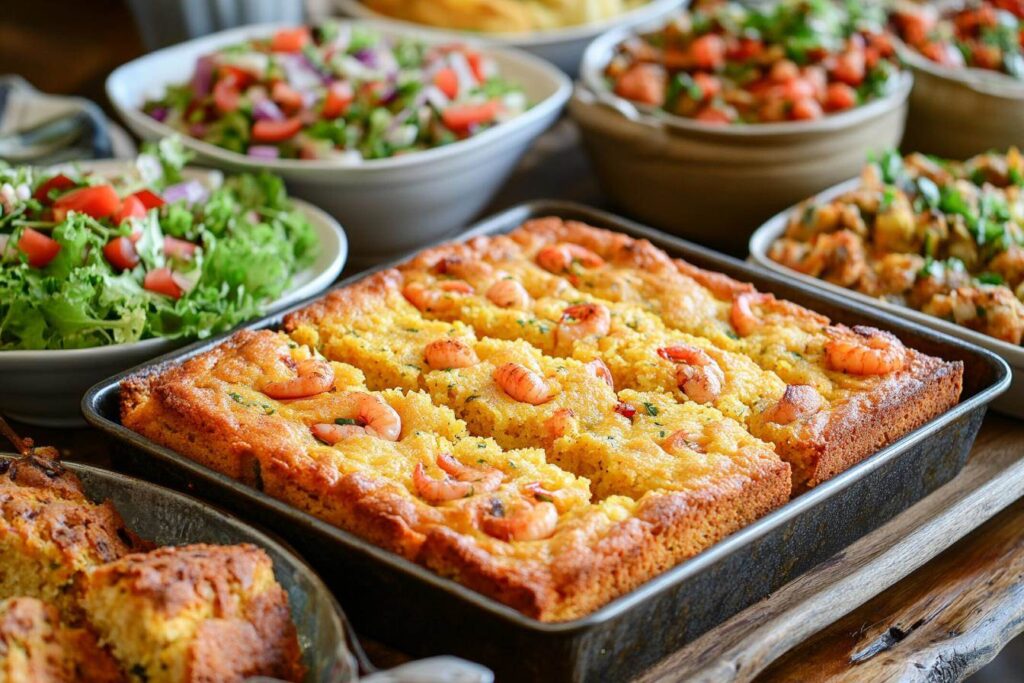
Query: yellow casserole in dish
[{"x": 503, "y": 16}]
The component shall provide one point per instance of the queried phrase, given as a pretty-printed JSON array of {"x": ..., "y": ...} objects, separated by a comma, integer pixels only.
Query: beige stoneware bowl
[
  {"x": 957, "y": 113},
  {"x": 715, "y": 184}
]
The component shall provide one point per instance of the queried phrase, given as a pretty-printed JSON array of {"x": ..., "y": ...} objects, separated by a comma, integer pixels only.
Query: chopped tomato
[
  {"x": 798, "y": 89},
  {"x": 476, "y": 64},
  {"x": 131, "y": 207},
  {"x": 121, "y": 253},
  {"x": 161, "y": 281},
  {"x": 461, "y": 117},
  {"x": 241, "y": 77},
  {"x": 276, "y": 131},
  {"x": 840, "y": 96},
  {"x": 290, "y": 40},
  {"x": 986, "y": 56},
  {"x": 339, "y": 98},
  {"x": 179, "y": 249},
  {"x": 149, "y": 199},
  {"x": 784, "y": 71},
  {"x": 226, "y": 95},
  {"x": 39, "y": 248},
  {"x": 99, "y": 202},
  {"x": 850, "y": 67},
  {"x": 745, "y": 48},
  {"x": 714, "y": 115},
  {"x": 806, "y": 109},
  {"x": 643, "y": 83},
  {"x": 288, "y": 97},
  {"x": 708, "y": 52},
  {"x": 708, "y": 84},
  {"x": 447, "y": 81},
  {"x": 58, "y": 182},
  {"x": 625, "y": 409}
]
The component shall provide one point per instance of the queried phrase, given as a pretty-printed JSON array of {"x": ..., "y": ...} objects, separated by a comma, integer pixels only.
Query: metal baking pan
[
  {"x": 411, "y": 608},
  {"x": 167, "y": 517},
  {"x": 1011, "y": 403}
]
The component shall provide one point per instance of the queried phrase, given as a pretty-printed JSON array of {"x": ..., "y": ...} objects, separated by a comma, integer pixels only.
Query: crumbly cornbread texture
[
  {"x": 194, "y": 613},
  {"x": 35, "y": 647},
  {"x": 551, "y": 417}
]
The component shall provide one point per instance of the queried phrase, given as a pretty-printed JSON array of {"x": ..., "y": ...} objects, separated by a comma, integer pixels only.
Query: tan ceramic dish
[
  {"x": 715, "y": 184},
  {"x": 957, "y": 113}
]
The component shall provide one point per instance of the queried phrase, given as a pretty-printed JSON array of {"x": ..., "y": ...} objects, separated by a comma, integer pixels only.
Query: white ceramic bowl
[
  {"x": 957, "y": 113},
  {"x": 1010, "y": 403},
  {"x": 46, "y": 387},
  {"x": 388, "y": 206},
  {"x": 713, "y": 183},
  {"x": 563, "y": 47}
]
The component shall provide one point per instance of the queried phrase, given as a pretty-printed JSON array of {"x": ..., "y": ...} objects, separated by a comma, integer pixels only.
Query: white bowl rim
[
  {"x": 154, "y": 345},
  {"x": 530, "y": 39},
  {"x": 592, "y": 67},
  {"x": 561, "y": 85},
  {"x": 771, "y": 229}
]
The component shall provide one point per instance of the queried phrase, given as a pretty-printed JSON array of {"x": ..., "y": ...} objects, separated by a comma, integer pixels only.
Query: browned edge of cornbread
[{"x": 669, "y": 527}]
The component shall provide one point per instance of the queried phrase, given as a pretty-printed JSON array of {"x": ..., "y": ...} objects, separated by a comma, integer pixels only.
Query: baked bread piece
[
  {"x": 50, "y": 533},
  {"x": 35, "y": 647},
  {"x": 504, "y": 522},
  {"x": 194, "y": 613}
]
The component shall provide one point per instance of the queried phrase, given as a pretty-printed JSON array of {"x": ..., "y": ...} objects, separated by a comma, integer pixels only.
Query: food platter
[
  {"x": 760, "y": 558},
  {"x": 44, "y": 387},
  {"x": 167, "y": 517},
  {"x": 420, "y": 196},
  {"x": 1010, "y": 403}
]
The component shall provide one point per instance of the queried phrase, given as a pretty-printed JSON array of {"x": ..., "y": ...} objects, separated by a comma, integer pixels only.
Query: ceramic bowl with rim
[
  {"x": 46, "y": 387},
  {"x": 388, "y": 206},
  {"x": 563, "y": 47},
  {"x": 712, "y": 183},
  {"x": 1010, "y": 403},
  {"x": 958, "y": 113}
]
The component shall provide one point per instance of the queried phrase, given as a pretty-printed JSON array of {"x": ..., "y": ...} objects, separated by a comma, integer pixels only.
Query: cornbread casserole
[
  {"x": 550, "y": 417},
  {"x": 84, "y": 602}
]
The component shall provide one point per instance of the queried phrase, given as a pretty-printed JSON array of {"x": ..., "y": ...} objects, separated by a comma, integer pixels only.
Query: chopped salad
[
  {"x": 88, "y": 261},
  {"x": 724, "y": 63},
  {"x": 978, "y": 34},
  {"x": 942, "y": 237},
  {"x": 338, "y": 91}
]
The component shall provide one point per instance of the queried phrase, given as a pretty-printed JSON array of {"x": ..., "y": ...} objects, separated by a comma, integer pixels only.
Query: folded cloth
[{"x": 41, "y": 129}]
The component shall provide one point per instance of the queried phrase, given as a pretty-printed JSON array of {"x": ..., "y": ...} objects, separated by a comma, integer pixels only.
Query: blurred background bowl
[
  {"x": 712, "y": 183},
  {"x": 957, "y": 113},
  {"x": 388, "y": 206},
  {"x": 563, "y": 47}
]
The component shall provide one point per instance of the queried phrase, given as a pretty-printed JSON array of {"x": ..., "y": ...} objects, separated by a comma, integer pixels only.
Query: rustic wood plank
[
  {"x": 942, "y": 623},
  {"x": 746, "y": 645}
]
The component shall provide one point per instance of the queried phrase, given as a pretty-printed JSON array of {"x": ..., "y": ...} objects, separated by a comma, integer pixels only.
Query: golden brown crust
[{"x": 668, "y": 528}]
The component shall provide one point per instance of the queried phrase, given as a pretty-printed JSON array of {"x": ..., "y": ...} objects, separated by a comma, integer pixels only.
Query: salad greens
[{"x": 194, "y": 262}]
